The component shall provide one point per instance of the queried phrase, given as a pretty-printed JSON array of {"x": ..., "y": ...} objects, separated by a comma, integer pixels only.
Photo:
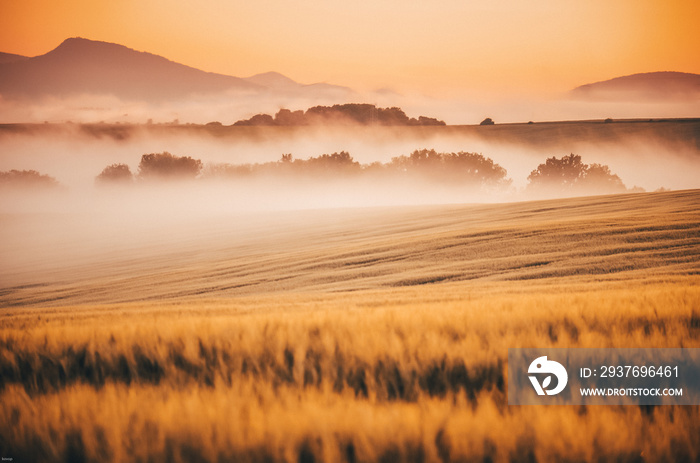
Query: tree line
[
  {"x": 352, "y": 113},
  {"x": 568, "y": 174},
  {"x": 565, "y": 174}
]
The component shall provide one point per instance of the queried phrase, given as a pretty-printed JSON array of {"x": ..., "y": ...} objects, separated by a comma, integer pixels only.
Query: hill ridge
[
  {"x": 83, "y": 66},
  {"x": 657, "y": 85}
]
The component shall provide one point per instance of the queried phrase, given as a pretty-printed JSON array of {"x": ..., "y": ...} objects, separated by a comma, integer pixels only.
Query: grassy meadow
[{"x": 348, "y": 335}]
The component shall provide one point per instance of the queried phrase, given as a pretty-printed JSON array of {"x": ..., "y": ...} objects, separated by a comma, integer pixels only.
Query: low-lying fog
[
  {"x": 46, "y": 229},
  {"x": 460, "y": 108},
  {"x": 647, "y": 155}
]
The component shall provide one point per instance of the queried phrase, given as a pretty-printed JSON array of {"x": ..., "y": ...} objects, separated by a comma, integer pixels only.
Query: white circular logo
[{"x": 541, "y": 367}]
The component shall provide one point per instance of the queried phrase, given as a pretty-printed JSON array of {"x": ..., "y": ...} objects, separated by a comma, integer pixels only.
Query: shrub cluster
[
  {"x": 360, "y": 114},
  {"x": 153, "y": 166},
  {"x": 570, "y": 174},
  {"x": 27, "y": 179}
]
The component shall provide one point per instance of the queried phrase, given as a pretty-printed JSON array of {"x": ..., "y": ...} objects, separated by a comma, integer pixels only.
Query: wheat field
[{"x": 347, "y": 335}]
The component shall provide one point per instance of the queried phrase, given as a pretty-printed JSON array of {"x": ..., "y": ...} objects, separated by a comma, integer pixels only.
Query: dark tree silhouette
[
  {"x": 422, "y": 120},
  {"x": 458, "y": 167},
  {"x": 487, "y": 121},
  {"x": 116, "y": 173},
  {"x": 287, "y": 117},
  {"x": 570, "y": 173},
  {"x": 599, "y": 176},
  {"x": 165, "y": 166},
  {"x": 345, "y": 114},
  {"x": 561, "y": 172},
  {"x": 329, "y": 163},
  {"x": 258, "y": 119},
  {"x": 27, "y": 179},
  {"x": 393, "y": 116}
]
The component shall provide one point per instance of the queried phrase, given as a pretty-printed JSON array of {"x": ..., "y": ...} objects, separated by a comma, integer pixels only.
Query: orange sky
[{"x": 437, "y": 47}]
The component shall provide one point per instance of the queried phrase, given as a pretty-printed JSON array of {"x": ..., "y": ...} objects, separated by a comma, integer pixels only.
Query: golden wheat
[{"x": 399, "y": 374}]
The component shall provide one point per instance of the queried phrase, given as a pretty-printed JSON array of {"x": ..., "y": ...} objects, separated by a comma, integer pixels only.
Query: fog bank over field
[
  {"x": 649, "y": 155},
  {"x": 152, "y": 253},
  {"x": 246, "y": 190},
  {"x": 455, "y": 109}
]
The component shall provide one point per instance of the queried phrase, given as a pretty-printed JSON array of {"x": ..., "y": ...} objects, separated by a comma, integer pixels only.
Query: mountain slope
[
  {"x": 10, "y": 58},
  {"x": 80, "y": 66},
  {"x": 279, "y": 83},
  {"x": 650, "y": 86},
  {"x": 272, "y": 80}
]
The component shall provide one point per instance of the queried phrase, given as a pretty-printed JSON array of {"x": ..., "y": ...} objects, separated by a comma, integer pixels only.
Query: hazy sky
[{"x": 436, "y": 47}]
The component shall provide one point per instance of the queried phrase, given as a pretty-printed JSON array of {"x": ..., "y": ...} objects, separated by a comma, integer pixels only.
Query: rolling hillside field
[{"x": 369, "y": 334}]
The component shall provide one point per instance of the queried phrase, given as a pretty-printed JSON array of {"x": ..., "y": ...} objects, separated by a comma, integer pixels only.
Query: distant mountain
[
  {"x": 651, "y": 86},
  {"x": 81, "y": 66},
  {"x": 272, "y": 80},
  {"x": 10, "y": 58},
  {"x": 281, "y": 84}
]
